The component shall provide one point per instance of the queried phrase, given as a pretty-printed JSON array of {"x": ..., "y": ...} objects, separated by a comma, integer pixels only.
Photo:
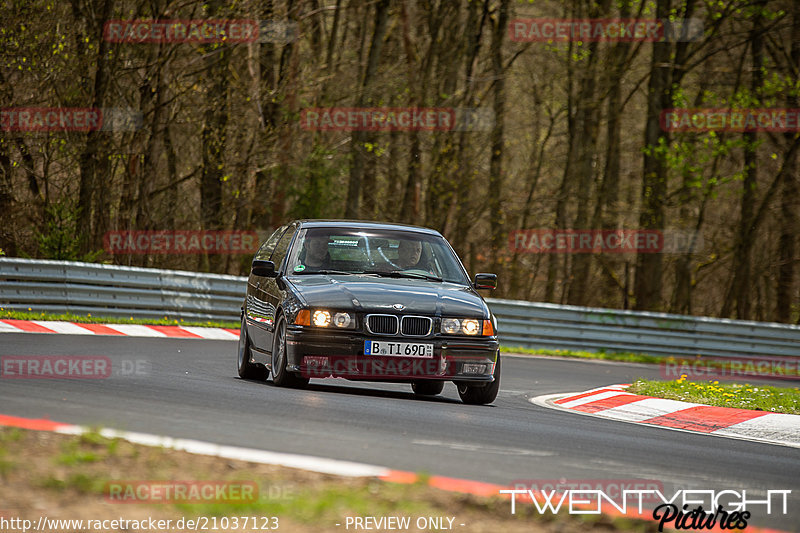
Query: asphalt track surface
[{"x": 189, "y": 389}]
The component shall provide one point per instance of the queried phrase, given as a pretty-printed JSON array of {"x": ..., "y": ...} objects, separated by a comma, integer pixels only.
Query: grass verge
[
  {"x": 627, "y": 357},
  {"x": 738, "y": 395},
  {"x": 67, "y": 477},
  {"x": 11, "y": 314}
]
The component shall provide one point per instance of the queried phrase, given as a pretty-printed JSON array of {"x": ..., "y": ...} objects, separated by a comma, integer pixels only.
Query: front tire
[
  {"x": 280, "y": 376},
  {"x": 248, "y": 370},
  {"x": 481, "y": 394},
  {"x": 424, "y": 387}
]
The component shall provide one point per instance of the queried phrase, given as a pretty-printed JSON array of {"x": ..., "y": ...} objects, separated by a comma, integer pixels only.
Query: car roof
[{"x": 363, "y": 224}]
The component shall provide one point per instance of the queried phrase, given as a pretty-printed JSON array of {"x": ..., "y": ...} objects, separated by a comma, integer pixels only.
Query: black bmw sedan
[{"x": 368, "y": 301}]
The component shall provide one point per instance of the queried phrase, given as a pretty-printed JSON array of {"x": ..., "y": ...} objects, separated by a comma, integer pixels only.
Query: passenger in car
[{"x": 409, "y": 254}]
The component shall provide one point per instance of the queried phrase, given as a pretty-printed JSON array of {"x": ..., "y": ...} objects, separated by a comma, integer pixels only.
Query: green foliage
[
  {"x": 314, "y": 190},
  {"x": 62, "y": 238},
  {"x": 741, "y": 396},
  {"x": 627, "y": 357},
  {"x": 80, "y": 482}
]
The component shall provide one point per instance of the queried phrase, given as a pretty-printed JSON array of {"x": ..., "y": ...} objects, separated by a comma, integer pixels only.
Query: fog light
[
  {"x": 473, "y": 368},
  {"x": 315, "y": 361}
]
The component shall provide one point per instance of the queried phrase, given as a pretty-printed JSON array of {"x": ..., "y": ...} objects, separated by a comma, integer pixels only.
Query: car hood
[{"x": 371, "y": 294}]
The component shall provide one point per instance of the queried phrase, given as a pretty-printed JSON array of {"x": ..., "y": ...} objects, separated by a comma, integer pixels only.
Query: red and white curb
[
  {"x": 614, "y": 403},
  {"x": 129, "y": 330},
  {"x": 304, "y": 462},
  {"x": 315, "y": 464}
]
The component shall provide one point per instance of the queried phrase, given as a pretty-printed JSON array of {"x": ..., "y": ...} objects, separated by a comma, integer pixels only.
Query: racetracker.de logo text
[
  {"x": 734, "y": 120},
  {"x": 181, "y": 242},
  {"x": 181, "y": 491},
  {"x": 604, "y": 30}
]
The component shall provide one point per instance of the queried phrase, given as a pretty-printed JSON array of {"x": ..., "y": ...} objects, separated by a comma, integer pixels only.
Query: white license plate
[{"x": 400, "y": 349}]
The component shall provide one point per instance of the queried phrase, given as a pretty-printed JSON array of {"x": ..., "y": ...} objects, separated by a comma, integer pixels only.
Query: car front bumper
[{"x": 319, "y": 354}]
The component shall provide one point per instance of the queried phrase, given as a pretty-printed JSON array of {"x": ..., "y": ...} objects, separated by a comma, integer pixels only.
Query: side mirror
[
  {"x": 485, "y": 281},
  {"x": 264, "y": 268}
]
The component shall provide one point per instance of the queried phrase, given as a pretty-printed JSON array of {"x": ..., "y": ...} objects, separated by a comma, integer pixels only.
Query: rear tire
[
  {"x": 425, "y": 387},
  {"x": 248, "y": 370},
  {"x": 481, "y": 394},
  {"x": 280, "y": 376}
]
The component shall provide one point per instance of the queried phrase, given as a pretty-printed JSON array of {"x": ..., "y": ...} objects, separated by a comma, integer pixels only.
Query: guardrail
[
  {"x": 106, "y": 290},
  {"x": 118, "y": 291},
  {"x": 560, "y": 327}
]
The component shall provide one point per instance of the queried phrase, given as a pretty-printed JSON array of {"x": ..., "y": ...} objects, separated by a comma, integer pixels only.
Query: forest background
[{"x": 576, "y": 139}]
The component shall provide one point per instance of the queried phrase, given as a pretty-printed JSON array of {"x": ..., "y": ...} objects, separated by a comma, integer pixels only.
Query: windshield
[{"x": 379, "y": 252}]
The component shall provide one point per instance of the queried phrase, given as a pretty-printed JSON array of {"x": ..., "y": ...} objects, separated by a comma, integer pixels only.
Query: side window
[
  {"x": 283, "y": 247},
  {"x": 265, "y": 252}
]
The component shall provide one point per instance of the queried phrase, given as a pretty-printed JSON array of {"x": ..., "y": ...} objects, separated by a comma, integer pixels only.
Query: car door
[
  {"x": 273, "y": 293},
  {"x": 259, "y": 314}
]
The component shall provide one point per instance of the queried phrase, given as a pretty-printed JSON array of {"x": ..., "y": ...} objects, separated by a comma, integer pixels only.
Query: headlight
[
  {"x": 321, "y": 318},
  {"x": 451, "y": 325},
  {"x": 470, "y": 326},
  {"x": 462, "y": 326},
  {"x": 342, "y": 320}
]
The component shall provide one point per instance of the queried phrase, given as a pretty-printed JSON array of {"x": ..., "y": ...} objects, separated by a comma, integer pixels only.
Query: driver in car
[{"x": 317, "y": 255}]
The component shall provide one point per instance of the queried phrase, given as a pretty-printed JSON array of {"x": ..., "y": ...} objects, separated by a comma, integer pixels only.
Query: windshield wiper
[
  {"x": 324, "y": 271},
  {"x": 402, "y": 274}
]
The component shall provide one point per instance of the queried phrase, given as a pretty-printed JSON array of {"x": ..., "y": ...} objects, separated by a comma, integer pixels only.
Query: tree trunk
[
  {"x": 742, "y": 279},
  {"x": 214, "y": 136},
  {"x": 357, "y": 151},
  {"x": 649, "y": 267},
  {"x": 496, "y": 178},
  {"x": 790, "y": 201},
  {"x": 93, "y": 161}
]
